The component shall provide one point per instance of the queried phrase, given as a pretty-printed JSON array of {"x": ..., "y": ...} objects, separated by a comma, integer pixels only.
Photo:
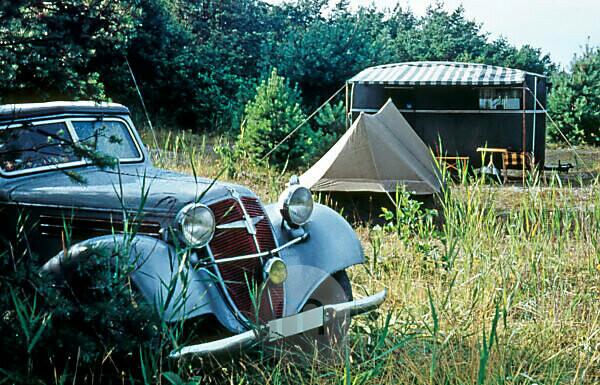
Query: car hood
[{"x": 132, "y": 188}]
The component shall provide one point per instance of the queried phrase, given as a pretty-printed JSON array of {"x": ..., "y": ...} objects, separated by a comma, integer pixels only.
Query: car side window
[
  {"x": 108, "y": 137},
  {"x": 34, "y": 146}
]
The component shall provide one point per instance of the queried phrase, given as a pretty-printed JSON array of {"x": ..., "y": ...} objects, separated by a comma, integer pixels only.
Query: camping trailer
[{"x": 460, "y": 109}]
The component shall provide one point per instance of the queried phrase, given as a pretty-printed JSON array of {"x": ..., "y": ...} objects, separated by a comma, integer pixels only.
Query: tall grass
[{"x": 506, "y": 290}]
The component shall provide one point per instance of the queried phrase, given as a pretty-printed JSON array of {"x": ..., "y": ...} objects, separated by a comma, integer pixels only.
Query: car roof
[{"x": 28, "y": 110}]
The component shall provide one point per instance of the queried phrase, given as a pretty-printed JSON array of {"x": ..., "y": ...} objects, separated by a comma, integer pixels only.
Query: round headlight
[
  {"x": 296, "y": 205},
  {"x": 196, "y": 224},
  {"x": 275, "y": 271}
]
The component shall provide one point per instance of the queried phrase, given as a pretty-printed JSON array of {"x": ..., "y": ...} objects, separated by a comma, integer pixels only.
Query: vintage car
[{"x": 294, "y": 251}]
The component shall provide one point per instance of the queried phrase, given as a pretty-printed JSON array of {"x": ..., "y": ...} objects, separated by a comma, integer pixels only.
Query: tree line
[{"x": 199, "y": 62}]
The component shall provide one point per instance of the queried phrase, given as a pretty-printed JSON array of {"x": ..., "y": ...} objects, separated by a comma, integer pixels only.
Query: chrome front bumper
[{"x": 282, "y": 327}]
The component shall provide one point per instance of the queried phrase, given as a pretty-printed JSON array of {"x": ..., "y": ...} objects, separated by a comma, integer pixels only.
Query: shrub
[
  {"x": 88, "y": 323},
  {"x": 409, "y": 217},
  {"x": 274, "y": 113},
  {"x": 575, "y": 102}
]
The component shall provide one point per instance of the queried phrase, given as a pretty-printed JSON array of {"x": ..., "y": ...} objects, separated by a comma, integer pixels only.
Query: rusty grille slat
[{"x": 240, "y": 276}]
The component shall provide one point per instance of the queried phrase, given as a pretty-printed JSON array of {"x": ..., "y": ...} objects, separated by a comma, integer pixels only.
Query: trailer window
[
  {"x": 403, "y": 98},
  {"x": 499, "y": 99}
]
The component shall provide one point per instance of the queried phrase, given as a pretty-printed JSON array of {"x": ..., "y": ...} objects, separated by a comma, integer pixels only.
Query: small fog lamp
[{"x": 275, "y": 271}]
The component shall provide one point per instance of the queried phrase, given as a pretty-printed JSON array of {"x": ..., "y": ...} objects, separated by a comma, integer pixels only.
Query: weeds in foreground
[{"x": 505, "y": 291}]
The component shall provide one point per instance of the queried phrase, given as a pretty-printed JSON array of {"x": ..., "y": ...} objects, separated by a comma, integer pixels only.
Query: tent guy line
[{"x": 303, "y": 123}]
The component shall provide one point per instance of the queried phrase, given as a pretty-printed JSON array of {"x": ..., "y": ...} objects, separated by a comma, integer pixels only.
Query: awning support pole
[
  {"x": 524, "y": 121},
  {"x": 535, "y": 92},
  {"x": 524, "y": 153},
  {"x": 557, "y": 128}
]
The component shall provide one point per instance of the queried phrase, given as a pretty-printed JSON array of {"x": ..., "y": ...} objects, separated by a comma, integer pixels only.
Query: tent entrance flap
[{"x": 378, "y": 153}]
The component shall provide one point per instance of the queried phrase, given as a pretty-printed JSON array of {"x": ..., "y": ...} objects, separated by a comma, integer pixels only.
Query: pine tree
[
  {"x": 273, "y": 113},
  {"x": 575, "y": 101}
]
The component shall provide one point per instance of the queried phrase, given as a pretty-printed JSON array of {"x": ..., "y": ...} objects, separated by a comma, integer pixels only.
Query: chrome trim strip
[
  {"x": 282, "y": 327},
  {"x": 242, "y": 224},
  {"x": 306, "y": 235},
  {"x": 264, "y": 253},
  {"x": 251, "y": 228},
  {"x": 249, "y": 222}
]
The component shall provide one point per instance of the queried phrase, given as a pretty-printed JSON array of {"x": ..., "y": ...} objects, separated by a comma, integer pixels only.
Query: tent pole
[
  {"x": 567, "y": 141},
  {"x": 351, "y": 101},
  {"x": 347, "y": 107}
]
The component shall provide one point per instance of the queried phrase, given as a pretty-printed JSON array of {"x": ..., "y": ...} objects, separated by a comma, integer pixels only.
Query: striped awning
[{"x": 440, "y": 73}]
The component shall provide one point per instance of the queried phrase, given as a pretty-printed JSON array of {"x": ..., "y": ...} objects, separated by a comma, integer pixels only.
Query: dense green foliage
[
  {"x": 63, "y": 49},
  {"x": 199, "y": 62},
  {"x": 276, "y": 129},
  {"x": 575, "y": 101},
  {"x": 273, "y": 113},
  {"x": 55, "y": 326}
]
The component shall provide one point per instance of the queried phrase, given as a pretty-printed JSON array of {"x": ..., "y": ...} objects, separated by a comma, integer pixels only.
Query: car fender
[
  {"x": 332, "y": 246},
  {"x": 163, "y": 277}
]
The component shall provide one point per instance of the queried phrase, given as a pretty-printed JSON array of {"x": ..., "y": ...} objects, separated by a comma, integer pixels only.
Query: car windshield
[
  {"x": 32, "y": 147},
  {"x": 107, "y": 137}
]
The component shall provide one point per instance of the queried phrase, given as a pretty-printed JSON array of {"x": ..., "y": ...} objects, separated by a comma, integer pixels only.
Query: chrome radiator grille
[{"x": 244, "y": 279}]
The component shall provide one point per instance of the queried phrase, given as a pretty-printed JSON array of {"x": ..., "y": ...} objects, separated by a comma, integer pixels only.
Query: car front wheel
[{"x": 328, "y": 340}]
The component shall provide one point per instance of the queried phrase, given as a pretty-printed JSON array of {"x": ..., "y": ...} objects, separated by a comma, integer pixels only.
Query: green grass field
[{"x": 506, "y": 290}]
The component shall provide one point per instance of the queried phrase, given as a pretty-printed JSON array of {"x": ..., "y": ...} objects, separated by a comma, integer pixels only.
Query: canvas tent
[{"x": 378, "y": 153}]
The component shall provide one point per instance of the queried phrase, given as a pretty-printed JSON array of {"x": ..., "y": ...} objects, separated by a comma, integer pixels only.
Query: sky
[{"x": 559, "y": 27}]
